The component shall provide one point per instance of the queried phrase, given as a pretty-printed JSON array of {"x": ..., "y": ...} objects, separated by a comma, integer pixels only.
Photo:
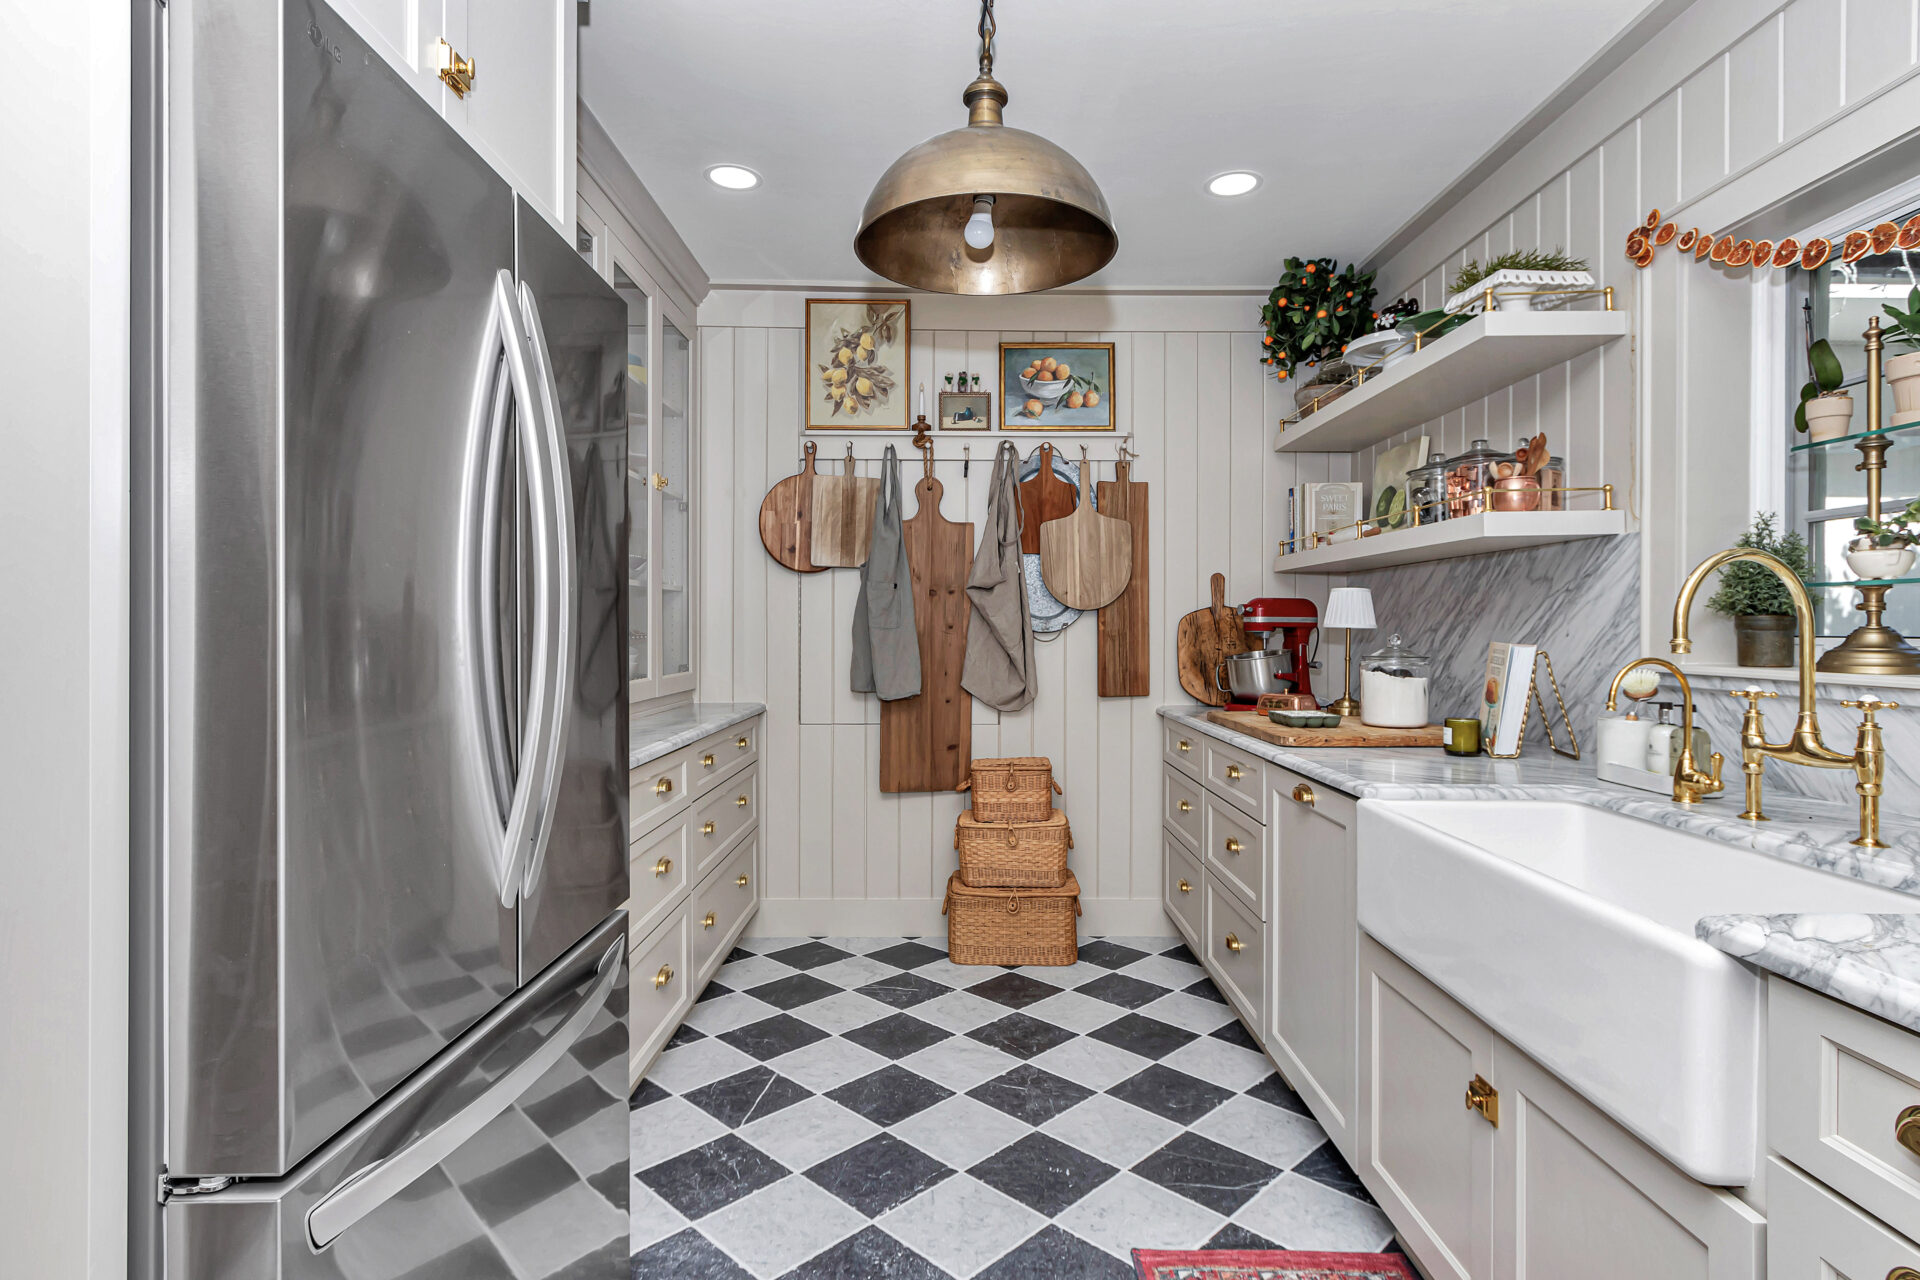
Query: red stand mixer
[{"x": 1281, "y": 626}]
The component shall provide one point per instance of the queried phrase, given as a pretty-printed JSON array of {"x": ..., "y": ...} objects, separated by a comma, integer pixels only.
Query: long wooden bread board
[
  {"x": 926, "y": 742},
  {"x": 1126, "y": 649},
  {"x": 1351, "y": 732}
]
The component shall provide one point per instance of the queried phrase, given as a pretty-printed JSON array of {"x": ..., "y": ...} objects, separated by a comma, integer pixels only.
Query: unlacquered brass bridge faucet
[{"x": 1805, "y": 746}]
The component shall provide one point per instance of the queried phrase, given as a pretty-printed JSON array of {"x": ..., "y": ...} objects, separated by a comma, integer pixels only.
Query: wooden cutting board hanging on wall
[
  {"x": 786, "y": 519},
  {"x": 926, "y": 742},
  {"x": 1126, "y": 647},
  {"x": 843, "y": 517},
  {"x": 1086, "y": 557},
  {"x": 1043, "y": 498}
]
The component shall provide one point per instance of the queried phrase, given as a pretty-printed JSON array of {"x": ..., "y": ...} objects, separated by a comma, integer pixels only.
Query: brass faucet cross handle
[{"x": 1752, "y": 764}]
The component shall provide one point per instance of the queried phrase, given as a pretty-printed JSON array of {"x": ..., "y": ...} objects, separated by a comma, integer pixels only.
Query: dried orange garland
[{"x": 1855, "y": 245}]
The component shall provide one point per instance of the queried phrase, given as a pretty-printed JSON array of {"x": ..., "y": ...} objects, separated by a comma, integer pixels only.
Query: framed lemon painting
[
  {"x": 1056, "y": 386},
  {"x": 857, "y": 364}
]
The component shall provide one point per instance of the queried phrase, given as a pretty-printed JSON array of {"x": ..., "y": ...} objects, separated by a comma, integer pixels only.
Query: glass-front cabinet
[{"x": 660, "y": 459}]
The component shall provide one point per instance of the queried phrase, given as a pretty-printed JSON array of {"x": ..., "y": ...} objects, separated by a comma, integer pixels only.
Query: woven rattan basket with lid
[
  {"x": 1012, "y": 926},
  {"x": 1013, "y": 855},
  {"x": 1012, "y": 789}
]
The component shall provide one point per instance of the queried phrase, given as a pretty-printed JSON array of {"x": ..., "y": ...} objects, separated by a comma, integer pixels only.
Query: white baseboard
[{"x": 921, "y": 918}]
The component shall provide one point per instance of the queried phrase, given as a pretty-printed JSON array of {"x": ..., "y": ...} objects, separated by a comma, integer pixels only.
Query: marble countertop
[
  {"x": 652, "y": 734},
  {"x": 1871, "y": 961}
]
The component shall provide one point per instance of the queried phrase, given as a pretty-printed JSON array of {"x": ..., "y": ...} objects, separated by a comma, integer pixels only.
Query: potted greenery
[
  {"x": 1310, "y": 317},
  {"x": 1884, "y": 548},
  {"x": 1757, "y": 600},
  {"x": 1903, "y": 370},
  {"x": 1825, "y": 411},
  {"x": 1516, "y": 277}
]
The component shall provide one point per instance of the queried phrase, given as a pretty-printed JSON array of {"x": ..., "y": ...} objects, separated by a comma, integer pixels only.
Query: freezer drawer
[{"x": 503, "y": 1159}]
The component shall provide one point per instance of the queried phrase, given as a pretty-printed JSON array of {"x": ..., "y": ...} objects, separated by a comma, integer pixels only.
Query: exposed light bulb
[{"x": 979, "y": 232}]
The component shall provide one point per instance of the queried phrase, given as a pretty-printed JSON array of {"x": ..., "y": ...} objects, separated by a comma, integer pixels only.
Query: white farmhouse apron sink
[{"x": 1569, "y": 931}]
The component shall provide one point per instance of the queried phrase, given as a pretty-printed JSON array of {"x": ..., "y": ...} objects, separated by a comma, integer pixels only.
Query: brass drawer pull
[
  {"x": 743, "y": 744},
  {"x": 663, "y": 866},
  {"x": 1234, "y": 944},
  {"x": 1303, "y": 794},
  {"x": 1186, "y": 807},
  {"x": 1485, "y": 1099},
  {"x": 1185, "y": 887},
  {"x": 742, "y": 882},
  {"x": 706, "y": 828},
  {"x": 1185, "y": 745},
  {"x": 1906, "y": 1132},
  {"x": 706, "y": 762},
  {"x": 741, "y": 801},
  {"x": 1234, "y": 771},
  {"x": 663, "y": 786},
  {"x": 663, "y": 977},
  {"x": 708, "y": 921},
  {"x": 1233, "y": 846}
]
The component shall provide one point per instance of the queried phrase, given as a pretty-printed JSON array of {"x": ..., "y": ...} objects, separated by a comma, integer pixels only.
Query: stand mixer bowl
[{"x": 1245, "y": 676}]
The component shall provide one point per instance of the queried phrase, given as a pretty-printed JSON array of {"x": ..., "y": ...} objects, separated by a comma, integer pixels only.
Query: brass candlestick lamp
[{"x": 1351, "y": 609}]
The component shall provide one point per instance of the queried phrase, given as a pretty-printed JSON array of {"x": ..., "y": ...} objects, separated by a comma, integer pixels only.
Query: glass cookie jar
[
  {"x": 1427, "y": 492},
  {"x": 1394, "y": 682},
  {"x": 1469, "y": 476}
]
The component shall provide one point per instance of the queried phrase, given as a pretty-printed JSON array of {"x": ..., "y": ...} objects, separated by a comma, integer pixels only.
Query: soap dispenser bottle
[
  {"x": 1663, "y": 743},
  {"x": 1623, "y": 741}
]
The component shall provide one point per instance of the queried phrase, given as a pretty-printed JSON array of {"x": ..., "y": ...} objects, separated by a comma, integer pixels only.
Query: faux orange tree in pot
[{"x": 1312, "y": 314}]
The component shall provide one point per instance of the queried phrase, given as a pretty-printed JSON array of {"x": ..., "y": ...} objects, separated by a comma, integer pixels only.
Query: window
[{"x": 1835, "y": 302}]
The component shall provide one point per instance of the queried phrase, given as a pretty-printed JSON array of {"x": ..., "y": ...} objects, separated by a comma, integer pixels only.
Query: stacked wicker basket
[{"x": 1013, "y": 900}]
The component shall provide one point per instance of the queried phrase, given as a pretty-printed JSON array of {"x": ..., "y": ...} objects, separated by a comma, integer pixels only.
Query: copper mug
[{"x": 1516, "y": 493}]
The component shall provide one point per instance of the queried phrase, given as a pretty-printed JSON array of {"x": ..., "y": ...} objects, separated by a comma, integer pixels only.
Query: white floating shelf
[
  {"x": 1485, "y": 355},
  {"x": 1448, "y": 539}
]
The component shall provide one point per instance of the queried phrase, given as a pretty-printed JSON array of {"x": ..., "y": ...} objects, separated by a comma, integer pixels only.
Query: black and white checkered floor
[{"x": 843, "y": 1108}]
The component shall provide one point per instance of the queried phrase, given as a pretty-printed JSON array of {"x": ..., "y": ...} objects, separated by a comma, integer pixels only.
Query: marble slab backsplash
[
  {"x": 1899, "y": 730},
  {"x": 1580, "y": 601}
]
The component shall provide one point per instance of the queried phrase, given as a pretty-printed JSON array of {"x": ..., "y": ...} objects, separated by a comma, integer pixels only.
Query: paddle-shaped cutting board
[
  {"x": 786, "y": 519},
  {"x": 843, "y": 517},
  {"x": 926, "y": 742},
  {"x": 1126, "y": 651},
  {"x": 1086, "y": 557},
  {"x": 1202, "y": 639},
  {"x": 1043, "y": 498}
]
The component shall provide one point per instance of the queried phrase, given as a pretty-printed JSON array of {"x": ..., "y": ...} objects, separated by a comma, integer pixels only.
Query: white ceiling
[{"x": 1356, "y": 113}]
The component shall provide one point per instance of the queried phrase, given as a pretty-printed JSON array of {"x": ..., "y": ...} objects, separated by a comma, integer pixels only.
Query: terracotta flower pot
[{"x": 1765, "y": 639}]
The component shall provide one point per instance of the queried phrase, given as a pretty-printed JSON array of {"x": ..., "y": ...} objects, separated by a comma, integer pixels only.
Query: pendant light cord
[{"x": 986, "y": 38}]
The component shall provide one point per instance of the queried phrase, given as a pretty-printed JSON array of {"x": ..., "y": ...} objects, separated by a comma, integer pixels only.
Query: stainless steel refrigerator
[{"x": 380, "y": 708}]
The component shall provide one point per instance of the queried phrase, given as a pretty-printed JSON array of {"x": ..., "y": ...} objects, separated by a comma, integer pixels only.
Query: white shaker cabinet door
[
  {"x": 520, "y": 113},
  {"x": 405, "y": 33}
]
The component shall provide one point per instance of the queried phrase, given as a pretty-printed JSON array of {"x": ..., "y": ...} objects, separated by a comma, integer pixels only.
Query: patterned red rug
[{"x": 1266, "y": 1264}]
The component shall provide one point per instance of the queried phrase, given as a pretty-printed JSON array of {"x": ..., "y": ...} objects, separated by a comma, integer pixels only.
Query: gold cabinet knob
[
  {"x": 663, "y": 977},
  {"x": 741, "y": 801},
  {"x": 707, "y": 921},
  {"x": 1303, "y": 794},
  {"x": 663, "y": 786},
  {"x": 1233, "y": 943},
  {"x": 706, "y": 828},
  {"x": 659, "y": 481},
  {"x": 1906, "y": 1129},
  {"x": 1233, "y": 845},
  {"x": 743, "y": 881},
  {"x": 1185, "y": 887},
  {"x": 1235, "y": 771},
  {"x": 663, "y": 866},
  {"x": 706, "y": 762},
  {"x": 1186, "y": 807},
  {"x": 1185, "y": 745},
  {"x": 742, "y": 743}
]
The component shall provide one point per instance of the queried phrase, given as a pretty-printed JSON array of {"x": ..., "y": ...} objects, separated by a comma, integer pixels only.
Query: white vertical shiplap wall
[{"x": 839, "y": 855}]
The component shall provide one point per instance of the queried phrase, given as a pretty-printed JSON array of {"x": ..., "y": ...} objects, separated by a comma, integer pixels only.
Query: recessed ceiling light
[
  {"x": 1237, "y": 183},
  {"x": 733, "y": 177}
]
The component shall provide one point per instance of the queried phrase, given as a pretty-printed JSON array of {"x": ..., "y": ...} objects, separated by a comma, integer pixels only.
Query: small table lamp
[{"x": 1349, "y": 608}]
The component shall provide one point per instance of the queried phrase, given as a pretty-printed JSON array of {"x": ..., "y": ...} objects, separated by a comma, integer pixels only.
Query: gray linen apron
[
  {"x": 886, "y": 645},
  {"x": 999, "y": 669}
]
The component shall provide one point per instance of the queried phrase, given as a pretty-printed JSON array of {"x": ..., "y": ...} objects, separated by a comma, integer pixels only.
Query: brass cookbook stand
[{"x": 1572, "y": 750}]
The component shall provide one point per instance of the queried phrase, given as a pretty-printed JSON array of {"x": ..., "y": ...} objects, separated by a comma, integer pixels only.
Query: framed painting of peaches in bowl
[{"x": 1056, "y": 386}]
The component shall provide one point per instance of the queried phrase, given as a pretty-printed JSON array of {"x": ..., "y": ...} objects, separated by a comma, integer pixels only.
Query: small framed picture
[
  {"x": 966, "y": 411},
  {"x": 1056, "y": 386}
]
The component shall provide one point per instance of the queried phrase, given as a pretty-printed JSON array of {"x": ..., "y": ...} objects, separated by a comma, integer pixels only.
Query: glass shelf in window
[
  {"x": 1865, "y": 582},
  {"x": 1848, "y": 441}
]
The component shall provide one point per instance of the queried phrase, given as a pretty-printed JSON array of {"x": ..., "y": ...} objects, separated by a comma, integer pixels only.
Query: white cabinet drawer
[
  {"x": 1838, "y": 1082},
  {"x": 1181, "y": 747},
  {"x": 1234, "y": 848},
  {"x": 659, "y": 866},
  {"x": 721, "y": 905},
  {"x": 654, "y": 789},
  {"x": 714, "y": 758},
  {"x": 721, "y": 814},
  {"x": 1235, "y": 952},
  {"x": 660, "y": 986},
  {"x": 1180, "y": 806},
  {"x": 1813, "y": 1234},
  {"x": 1182, "y": 890},
  {"x": 1238, "y": 776}
]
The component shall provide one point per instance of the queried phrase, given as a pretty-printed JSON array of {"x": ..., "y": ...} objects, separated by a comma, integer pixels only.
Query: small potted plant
[
  {"x": 1759, "y": 603},
  {"x": 1884, "y": 548},
  {"x": 1825, "y": 411},
  {"x": 1903, "y": 370},
  {"x": 1310, "y": 317},
  {"x": 1517, "y": 278}
]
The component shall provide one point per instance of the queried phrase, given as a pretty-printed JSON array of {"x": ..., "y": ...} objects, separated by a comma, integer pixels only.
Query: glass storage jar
[
  {"x": 1394, "y": 682},
  {"x": 1553, "y": 479},
  {"x": 1469, "y": 476},
  {"x": 1427, "y": 492}
]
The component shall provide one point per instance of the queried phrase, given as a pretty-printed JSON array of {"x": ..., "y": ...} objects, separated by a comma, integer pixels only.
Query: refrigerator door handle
[
  {"x": 561, "y": 602},
  {"x": 375, "y": 1184}
]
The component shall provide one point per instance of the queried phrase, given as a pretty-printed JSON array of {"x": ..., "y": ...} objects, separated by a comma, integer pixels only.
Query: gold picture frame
[
  {"x": 859, "y": 369},
  {"x": 1089, "y": 379}
]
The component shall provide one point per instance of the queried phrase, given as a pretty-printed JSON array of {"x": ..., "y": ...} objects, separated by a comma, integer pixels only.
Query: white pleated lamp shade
[{"x": 1349, "y": 607}]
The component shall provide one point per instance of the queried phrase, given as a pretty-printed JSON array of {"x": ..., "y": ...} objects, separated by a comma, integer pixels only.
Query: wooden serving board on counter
[{"x": 1351, "y": 732}]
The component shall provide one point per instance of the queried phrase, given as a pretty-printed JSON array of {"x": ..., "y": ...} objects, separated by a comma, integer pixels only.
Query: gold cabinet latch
[
  {"x": 456, "y": 72},
  {"x": 1485, "y": 1099}
]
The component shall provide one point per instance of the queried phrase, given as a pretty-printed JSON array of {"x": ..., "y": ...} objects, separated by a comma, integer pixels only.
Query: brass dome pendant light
[{"x": 986, "y": 209}]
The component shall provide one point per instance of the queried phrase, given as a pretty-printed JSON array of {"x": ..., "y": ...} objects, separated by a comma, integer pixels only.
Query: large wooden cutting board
[
  {"x": 1126, "y": 649},
  {"x": 926, "y": 742},
  {"x": 843, "y": 517},
  {"x": 1086, "y": 557},
  {"x": 786, "y": 519},
  {"x": 1202, "y": 639},
  {"x": 1351, "y": 732},
  {"x": 1043, "y": 498}
]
